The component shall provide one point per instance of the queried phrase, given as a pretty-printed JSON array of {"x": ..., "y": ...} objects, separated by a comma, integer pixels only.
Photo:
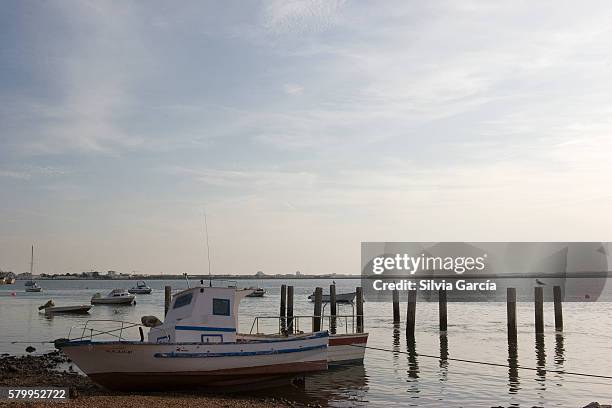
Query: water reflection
[
  {"x": 540, "y": 361},
  {"x": 559, "y": 350},
  {"x": 413, "y": 369},
  {"x": 513, "y": 371},
  {"x": 347, "y": 384},
  {"x": 443, "y": 357},
  {"x": 396, "y": 343}
]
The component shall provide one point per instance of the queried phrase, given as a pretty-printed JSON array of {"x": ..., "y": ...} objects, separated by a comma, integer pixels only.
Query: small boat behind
[
  {"x": 50, "y": 308},
  {"x": 340, "y": 297},
  {"x": 114, "y": 297},
  {"x": 33, "y": 288},
  {"x": 141, "y": 288},
  {"x": 256, "y": 292}
]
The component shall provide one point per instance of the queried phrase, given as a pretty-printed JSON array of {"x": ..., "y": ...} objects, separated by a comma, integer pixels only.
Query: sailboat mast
[
  {"x": 207, "y": 250},
  {"x": 32, "y": 262}
]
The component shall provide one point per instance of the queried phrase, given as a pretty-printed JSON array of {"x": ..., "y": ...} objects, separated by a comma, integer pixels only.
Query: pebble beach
[{"x": 54, "y": 369}]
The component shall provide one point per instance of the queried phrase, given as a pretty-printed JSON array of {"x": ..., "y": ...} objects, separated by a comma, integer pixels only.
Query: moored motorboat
[
  {"x": 33, "y": 288},
  {"x": 256, "y": 292},
  {"x": 50, "y": 308},
  {"x": 340, "y": 297},
  {"x": 141, "y": 288},
  {"x": 197, "y": 347},
  {"x": 114, "y": 297}
]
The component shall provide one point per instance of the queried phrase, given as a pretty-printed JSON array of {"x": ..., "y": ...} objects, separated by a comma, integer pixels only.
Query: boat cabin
[{"x": 200, "y": 315}]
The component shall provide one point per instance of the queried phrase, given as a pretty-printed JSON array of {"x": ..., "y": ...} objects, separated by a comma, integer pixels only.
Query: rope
[{"x": 461, "y": 360}]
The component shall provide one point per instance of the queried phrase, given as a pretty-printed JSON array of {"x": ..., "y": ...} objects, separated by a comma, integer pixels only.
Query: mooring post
[
  {"x": 359, "y": 292},
  {"x": 290, "y": 309},
  {"x": 318, "y": 301},
  {"x": 332, "y": 309},
  {"x": 396, "y": 307},
  {"x": 558, "y": 308},
  {"x": 167, "y": 298},
  {"x": 442, "y": 310},
  {"x": 539, "y": 309},
  {"x": 411, "y": 314},
  {"x": 511, "y": 312},
  {"x": 283, "y": 308}
]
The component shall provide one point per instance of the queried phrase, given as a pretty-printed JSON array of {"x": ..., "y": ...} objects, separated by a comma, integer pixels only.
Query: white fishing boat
[
  {"x": 196, "y": 347},
  {"x": 33, "y": 288},
  {"x": 141, "y": 288},
  {"x": 256, "y": 292},
  {"x": 49, "y": 308},
  {"x": 114, "y": 297}
]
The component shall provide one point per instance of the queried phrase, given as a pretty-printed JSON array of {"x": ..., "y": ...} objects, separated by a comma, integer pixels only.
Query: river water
[{"x": 413, "y": 375}]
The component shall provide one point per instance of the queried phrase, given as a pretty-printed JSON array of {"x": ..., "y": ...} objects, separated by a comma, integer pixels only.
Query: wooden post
[
  {"x": 283, "y": 308},
  {"x": 511, "y": 312},
  {"x": 558, "y": 308},
  {"x": 411, "y": 314},
  {"x": 539, "y": 309},
  {"x": 396, "y": 307},
  {"x": 318, "y": 300},
  {"x": 290, "y": 309},
  {"x": 332, "y": 309},
  {"x": 359, "y": 291},
  {"x": 167, "y": 298},
  {"x": 442, "y": 310}
]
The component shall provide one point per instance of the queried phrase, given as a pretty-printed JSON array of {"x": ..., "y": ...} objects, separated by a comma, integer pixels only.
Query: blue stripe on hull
[{"x": 238, "y": 353}]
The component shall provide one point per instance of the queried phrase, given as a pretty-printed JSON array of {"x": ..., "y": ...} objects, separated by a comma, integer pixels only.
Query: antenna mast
[{"x": 207, "y": 250}]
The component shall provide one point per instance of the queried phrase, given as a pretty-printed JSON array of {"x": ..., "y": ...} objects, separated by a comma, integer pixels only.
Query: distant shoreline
[{"x": 192, "y": 277}]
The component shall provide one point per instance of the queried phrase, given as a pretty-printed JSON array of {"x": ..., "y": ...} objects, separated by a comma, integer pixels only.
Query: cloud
[{"x": 293, "y": 89}]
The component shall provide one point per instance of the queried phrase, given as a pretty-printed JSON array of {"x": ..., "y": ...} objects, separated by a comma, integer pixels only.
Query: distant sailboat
[{"x": 31, "y": 285}]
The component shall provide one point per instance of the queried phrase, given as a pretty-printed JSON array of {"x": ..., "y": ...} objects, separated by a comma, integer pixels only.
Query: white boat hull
[
  {"x": 67, "y": 309},
  {"x": 123, "y": 300},
  {"x": 133, "y": 365}
]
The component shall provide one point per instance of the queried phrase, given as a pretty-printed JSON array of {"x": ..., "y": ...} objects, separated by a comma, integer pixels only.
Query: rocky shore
[{"x": 54, "y": 369}]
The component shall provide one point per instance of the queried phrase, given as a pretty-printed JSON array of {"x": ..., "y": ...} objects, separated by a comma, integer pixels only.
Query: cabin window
[
  {"x": 221, "y": 307},
  {"x": 183, "y": 300}
]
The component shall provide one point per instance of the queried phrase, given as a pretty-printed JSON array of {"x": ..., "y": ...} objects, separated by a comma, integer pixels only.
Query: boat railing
[
  {"x": 294, "y": 324},
  {"x": 88, "y": 331}
]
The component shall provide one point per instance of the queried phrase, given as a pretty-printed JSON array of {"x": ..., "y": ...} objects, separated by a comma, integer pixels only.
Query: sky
[{"x": 301, "y": 128}]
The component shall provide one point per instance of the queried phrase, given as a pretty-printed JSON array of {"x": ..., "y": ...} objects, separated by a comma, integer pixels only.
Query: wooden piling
[
  {"x": 290, "y": 309},
  {"x": 332, "y": 309},
  {"x": 167, "y": 298},
  {"x": 283, "y": 308},
  {"x": 318, "y": 301},
  {"x": 442, "y": 310},
  {"x": 558, "y": 308},
  {"x": 511, "y": 312},
  {"x": 411, "y": 314},
  {"x": 539, "y": 309},
  {"x": 359, "y": 292},
  {"x": 396, "y": 307}
]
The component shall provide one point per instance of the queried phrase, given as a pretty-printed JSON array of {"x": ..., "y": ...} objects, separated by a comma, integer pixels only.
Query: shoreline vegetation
[
  {"x": 54, "y": 369},
  {"x": 180, "y": 277}
]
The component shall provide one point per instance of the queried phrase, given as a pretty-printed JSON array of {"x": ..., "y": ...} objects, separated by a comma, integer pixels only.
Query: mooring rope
[{"x": 462, "y": 360}]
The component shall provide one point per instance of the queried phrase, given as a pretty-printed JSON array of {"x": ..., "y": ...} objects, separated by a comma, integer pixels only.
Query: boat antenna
[{"x": 207, "y": 250}]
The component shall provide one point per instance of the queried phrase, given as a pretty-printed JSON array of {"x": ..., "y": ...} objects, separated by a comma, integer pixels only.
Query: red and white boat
[{"x": 197, "y": 347}]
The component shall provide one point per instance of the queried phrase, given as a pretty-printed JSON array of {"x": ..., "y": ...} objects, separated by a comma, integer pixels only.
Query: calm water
[{"x": 476, "y": 331}]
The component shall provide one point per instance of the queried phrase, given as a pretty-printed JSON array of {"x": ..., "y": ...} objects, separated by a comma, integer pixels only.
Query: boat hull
[
  {"x": 113, "y": 301},
  {"x": 347, "y": 348},
  {"x": 140, "y": 291},
  {"x": 81, "y": 309},
  {"x": 141, "y": 366},
  {"x": 340, "y": 298}
]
